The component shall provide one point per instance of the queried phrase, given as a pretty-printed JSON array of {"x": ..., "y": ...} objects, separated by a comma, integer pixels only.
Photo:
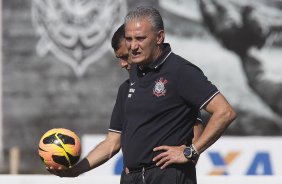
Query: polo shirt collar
[{"x": 162, "y": 58}]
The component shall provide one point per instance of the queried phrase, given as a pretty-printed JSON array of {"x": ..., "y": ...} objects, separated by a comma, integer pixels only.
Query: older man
[{"x": 166, "y": 92}]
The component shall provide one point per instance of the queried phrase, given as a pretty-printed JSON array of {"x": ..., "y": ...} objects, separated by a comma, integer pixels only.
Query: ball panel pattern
[{"x": 59, "y": 148}]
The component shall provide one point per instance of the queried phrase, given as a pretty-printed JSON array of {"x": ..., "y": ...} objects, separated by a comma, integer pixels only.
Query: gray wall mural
[{"x": 59, "y": 69}]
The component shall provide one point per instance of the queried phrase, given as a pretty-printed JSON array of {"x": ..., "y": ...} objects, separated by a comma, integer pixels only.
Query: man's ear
[{"x": 160, "y": 37}]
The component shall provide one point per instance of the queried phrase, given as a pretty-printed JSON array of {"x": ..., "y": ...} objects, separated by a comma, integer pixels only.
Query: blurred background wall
[{"x": 59, "y": 70}]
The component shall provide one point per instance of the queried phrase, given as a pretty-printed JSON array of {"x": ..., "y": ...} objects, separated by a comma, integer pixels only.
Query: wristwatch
[{"x": 190, "y": 153}]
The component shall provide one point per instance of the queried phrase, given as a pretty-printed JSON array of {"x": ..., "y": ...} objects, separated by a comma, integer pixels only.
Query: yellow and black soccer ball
[{"x": 59, "y": 148}]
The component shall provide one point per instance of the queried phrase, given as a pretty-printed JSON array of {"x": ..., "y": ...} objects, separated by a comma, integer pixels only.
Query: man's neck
[{"x": 158, "y": 52}]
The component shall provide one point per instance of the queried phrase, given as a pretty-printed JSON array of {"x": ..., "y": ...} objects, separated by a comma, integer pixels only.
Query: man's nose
[{"x": 134, "y": 45}]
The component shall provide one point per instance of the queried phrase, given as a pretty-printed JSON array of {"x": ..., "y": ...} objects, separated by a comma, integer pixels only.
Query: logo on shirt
[
  {"x": 131, "y": 90},
  {"x": 159, "y": 89}
]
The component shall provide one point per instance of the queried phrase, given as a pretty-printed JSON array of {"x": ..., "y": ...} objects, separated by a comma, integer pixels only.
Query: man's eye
[
  {"x": 141, "y": 38},
  {"x": 128, "y": 39},
  {"x": 124, "y": 57}
]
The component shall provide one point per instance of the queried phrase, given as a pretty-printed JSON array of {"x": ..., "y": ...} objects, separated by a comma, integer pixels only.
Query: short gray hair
[{"x": 153, "y": 15}]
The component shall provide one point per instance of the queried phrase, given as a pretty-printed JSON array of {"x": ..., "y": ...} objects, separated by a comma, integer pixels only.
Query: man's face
[
  {"x": 122, "y": 55},
  {"x": 141, "y": 41}
]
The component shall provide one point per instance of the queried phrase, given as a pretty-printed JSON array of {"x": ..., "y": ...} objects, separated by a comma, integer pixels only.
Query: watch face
[{"x": 187, "y": 152}]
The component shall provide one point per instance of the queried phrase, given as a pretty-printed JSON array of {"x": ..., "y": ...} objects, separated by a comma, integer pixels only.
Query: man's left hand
[{"x": 170, "y": 155}]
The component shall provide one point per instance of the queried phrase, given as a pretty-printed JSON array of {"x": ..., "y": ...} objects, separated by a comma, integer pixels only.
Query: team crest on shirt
[{"x": 159, "y": 88}]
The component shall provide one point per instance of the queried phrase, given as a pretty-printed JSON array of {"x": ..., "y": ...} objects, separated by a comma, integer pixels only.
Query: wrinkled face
[
  {"x": 122, "y": 55},
  {"x": 142, "y": 42}
]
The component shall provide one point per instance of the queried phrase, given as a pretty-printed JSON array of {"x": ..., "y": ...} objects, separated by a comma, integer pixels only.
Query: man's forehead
[{"x": 137, "y": 24}]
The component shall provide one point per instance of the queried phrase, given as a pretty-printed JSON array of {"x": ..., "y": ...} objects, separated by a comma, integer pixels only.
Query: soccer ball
[{"x": 59, "y": 148}]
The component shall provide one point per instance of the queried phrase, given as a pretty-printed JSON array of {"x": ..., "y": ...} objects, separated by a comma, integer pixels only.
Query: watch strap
[
  {"x": 193, "y": 154},
  {"x": 193, "y": 146}
]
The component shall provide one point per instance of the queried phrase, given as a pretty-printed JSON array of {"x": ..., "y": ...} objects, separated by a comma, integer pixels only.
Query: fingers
[
  {"x": 163, "y": 159},
  {"x": 161, "y": 148},
  {"x": 167, "y": 163},
  {"x": 160, "y": 156},
  {"x": 53, "y": 169},
  {"x": 58, "y": 172},
  {"x": 171, "y": 155},
  {"x": 164, "y": 162}
]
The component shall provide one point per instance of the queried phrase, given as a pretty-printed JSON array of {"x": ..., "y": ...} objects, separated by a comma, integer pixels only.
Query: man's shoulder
[
  {"x": 123, "y": 88},
  {"x": 125, "y": 84},
  {"x": 181, "y": 63}
]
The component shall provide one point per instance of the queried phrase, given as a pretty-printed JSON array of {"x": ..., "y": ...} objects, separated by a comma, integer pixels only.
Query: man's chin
[{"x": 137, "y": 61}]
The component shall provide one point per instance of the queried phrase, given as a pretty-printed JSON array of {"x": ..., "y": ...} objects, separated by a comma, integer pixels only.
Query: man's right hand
[{"x": 71, "y": 172}]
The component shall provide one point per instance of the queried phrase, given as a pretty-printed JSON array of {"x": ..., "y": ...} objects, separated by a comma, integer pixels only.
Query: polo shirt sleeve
[
  {"x": 194, "y": 87},
  {"x": 117, "y": 118},
  {"x": 199, "y": 117}
]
